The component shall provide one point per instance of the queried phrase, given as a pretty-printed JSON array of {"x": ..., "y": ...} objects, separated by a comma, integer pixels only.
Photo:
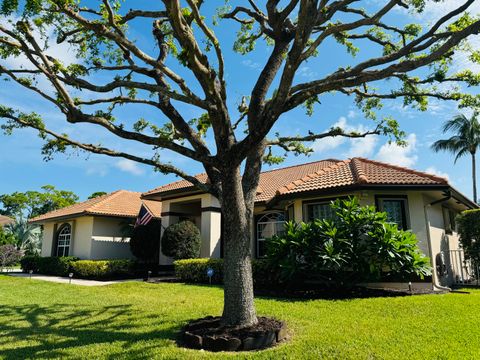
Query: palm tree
[
  {"x": 466, "y": 140},
  {"x": 27, "y": 236}
]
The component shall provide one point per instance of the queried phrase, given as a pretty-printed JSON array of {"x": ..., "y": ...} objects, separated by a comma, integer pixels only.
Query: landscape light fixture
[
  {"x": 70, "y": 276},
  {"x": 30, "y": 272}
]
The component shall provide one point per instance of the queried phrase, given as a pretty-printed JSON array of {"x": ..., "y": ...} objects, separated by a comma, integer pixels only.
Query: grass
[{"x": 136, "y": 320}]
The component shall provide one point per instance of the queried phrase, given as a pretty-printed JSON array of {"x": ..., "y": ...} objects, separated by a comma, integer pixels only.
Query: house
[
  {"x": 93, "y": 229},
  {"x": 423, "y": 203},
  {"x": 5, "y": 220}
]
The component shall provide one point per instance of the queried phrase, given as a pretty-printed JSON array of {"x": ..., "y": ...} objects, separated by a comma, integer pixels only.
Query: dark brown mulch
[
  {"x": 209, "y": 334},
  {"x": 212, "y": 328}
]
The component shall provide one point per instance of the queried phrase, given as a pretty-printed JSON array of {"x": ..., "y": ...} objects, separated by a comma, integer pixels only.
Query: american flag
[{"x": 144, "y": 216}]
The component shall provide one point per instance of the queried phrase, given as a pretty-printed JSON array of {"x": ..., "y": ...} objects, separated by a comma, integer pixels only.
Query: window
[
  {"x": 449, "y": 220},
  {"x": 269, "y": 225},
  {"x": 63, "y": 240},
  {"x": 396, "y": 209},
  {"x": 319, "y": 211}
]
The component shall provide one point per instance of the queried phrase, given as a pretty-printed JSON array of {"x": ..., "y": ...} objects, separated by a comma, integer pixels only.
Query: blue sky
[{"x": 22, "y": 167}]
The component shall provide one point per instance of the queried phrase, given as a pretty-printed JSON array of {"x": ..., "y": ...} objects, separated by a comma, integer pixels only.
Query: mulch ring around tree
[{"x": 208, "y": 334}]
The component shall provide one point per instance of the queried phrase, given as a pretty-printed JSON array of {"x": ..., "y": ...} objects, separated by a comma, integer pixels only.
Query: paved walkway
[{"x": 63, "y": 280}]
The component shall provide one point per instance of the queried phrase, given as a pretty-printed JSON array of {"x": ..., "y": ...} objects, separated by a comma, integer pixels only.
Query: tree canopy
[
  {"x": 33, "y": 203},
  {"x": 182, "y": 70},
  {"x": 97, "y": 194}
]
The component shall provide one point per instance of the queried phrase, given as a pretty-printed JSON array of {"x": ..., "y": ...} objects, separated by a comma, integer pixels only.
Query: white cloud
[
  {"x": 129, "y": 167},
  {"x": 307, "y": 72},
  {"x": 399, "y": 155},
  {"x": 97, "y": 171},
  {"x": 251, "y": 64},
  {"x": 361, "y": 147},
  {"x": 331, "y": 143},
  {"x": 351, "y": 114},
  {"x": 434, "y": 171}
]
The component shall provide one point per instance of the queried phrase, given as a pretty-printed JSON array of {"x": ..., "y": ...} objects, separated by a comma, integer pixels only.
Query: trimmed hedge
[
  {"x": 59, "y": 266},
  {"x": 195, "y": 271},
  {"x": 102, "y": 269},
  {"x": 81, "y": 269}
]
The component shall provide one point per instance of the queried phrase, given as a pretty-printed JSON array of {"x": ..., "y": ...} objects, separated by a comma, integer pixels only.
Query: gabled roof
[
  {"x": 321, "y": 175},
  {"x": 120, "y": 203},
  {"x": 5, "y": 220}
]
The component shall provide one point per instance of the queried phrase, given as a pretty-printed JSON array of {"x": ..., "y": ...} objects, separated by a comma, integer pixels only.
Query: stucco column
[
  {"x": 211, "y": 228},
  {"x": 166, "y": 220}
]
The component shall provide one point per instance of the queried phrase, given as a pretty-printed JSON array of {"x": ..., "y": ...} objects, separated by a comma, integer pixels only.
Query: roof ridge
[
  {"x": 297, "y": 165},
  {"x": 100, "y": 198},
  {"x": 171, "y": 183},
  {"x": 402, "y": 168},
  {"x": 358, "y": 172},
  {"x": 292, "y": 185}
]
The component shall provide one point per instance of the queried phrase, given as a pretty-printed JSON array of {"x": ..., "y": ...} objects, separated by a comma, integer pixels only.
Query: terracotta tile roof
[
  {"x": 5, "y": 220},
  {"x": 121, "y": 203},
  {"x": 322, "y": 175},
  {"x": 359, "y": 171},
  {"x": 181, "y": 184}
]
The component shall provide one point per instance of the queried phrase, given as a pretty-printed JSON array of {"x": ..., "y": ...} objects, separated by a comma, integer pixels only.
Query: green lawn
[{"x": 136, "y": 320}]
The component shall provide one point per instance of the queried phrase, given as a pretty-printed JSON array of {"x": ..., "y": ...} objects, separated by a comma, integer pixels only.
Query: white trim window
[
  {"x": 64, "y": 239},
  {"x": 269, "y": 225},
  {"x": 320, "y": 210}
]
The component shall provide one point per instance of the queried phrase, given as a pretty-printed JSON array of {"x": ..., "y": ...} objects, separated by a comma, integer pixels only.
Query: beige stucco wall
[
  {"x": 83, "y": 244},
  {"x": 208, "y": 222},
  {"x": 47, "y": 239},
  {"x": 108, "y": 241},
  {"x": 419, "y": 223}
]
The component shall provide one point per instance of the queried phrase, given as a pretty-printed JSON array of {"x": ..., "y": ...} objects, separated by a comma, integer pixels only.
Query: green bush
[
  {"x": 144, "y": 243},
  {"x": 195, "y": 271},
  {"x": 102, "y": 269},
  {"x": 181, "y": 241},
  {"x": 30, "y": 262},
  {"x": 59, "y": 266},
  {"x": 468, "y": 223},
  {"x": 357, "y": 245}
]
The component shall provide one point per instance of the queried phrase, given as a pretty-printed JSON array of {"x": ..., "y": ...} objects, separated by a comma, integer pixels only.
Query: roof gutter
[{"x": 435, "y": 285}]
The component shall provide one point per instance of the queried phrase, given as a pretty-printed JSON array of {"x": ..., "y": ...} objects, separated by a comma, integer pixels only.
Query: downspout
[{"x": 429, "y": 242}]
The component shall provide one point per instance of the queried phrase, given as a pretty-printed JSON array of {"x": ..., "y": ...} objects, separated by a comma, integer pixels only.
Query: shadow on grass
[
  {"x": 289, "y": 294},
  {"x": 49, "y": 331}
]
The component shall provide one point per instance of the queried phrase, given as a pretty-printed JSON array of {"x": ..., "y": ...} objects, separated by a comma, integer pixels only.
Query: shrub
[
  {"x": 357, "y": 245},
  {"x": 9, "y": 256},
  {"x": 102, "y": 269},
  {"x": 60, "y": 266},
  {"x": 30, "y": 262},
  {"x": 144, "y": 243},
  {"x": 195, "y": 271},
  {"x": 469, "y": 230},
  {"x": 181, "y": 241}
]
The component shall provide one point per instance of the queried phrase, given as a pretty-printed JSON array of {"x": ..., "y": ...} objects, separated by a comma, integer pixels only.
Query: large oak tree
[{"x": 415, "y": 60}]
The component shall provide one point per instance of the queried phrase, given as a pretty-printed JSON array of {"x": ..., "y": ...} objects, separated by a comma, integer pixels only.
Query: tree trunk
[
  {"x": 239, "y": 309},
  {"x": 474, "y": 178}
]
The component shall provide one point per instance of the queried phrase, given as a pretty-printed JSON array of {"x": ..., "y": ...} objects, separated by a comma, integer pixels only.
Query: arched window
[
  {"x": 268, "y": 225},
  {"x": 64, "y": 238}
]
